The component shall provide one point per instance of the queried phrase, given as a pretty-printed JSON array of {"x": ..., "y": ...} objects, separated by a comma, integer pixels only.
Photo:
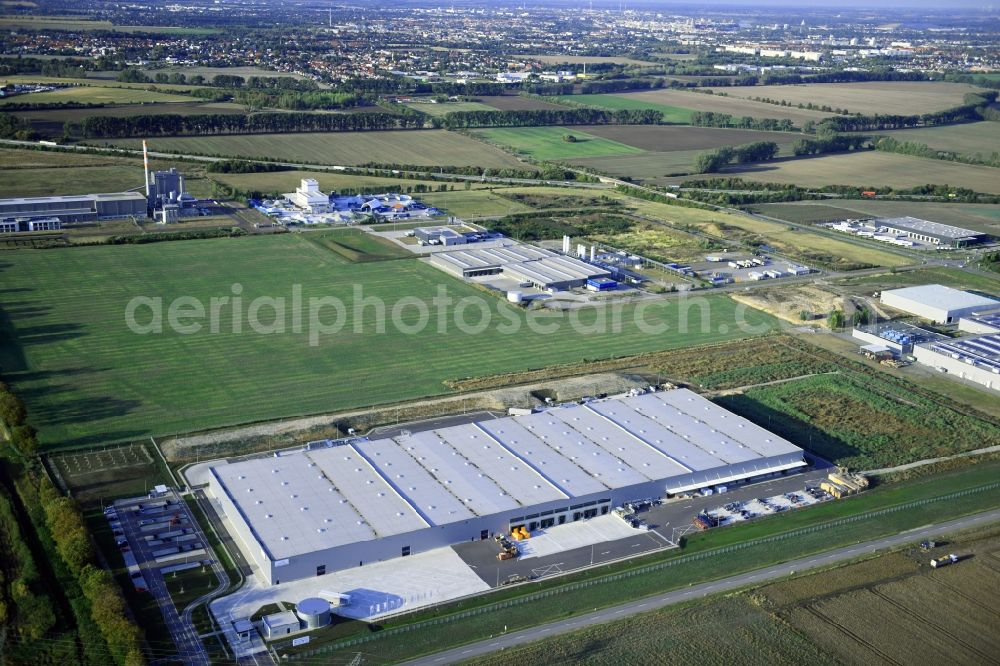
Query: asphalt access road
[{"x": 518, "y": 638}]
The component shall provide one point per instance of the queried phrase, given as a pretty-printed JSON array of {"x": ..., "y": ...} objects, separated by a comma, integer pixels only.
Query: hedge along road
[{"x": 517, "y": 638}]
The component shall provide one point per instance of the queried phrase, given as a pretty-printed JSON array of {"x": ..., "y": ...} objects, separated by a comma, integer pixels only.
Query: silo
[
  {"x": 315, "y": 612},
  {"x": 515, "y": 296}
]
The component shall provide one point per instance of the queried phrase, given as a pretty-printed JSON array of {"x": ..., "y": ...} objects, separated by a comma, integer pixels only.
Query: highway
[{"x": 514, "y": 639}]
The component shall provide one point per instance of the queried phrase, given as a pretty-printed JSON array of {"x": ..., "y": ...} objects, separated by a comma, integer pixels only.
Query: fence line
[{"x": 570, "y": 587}]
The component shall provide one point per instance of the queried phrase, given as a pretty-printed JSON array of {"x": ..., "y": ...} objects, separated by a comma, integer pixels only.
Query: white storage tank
[
  {"x": 315, "y": 612},
  {"x": 515, "y": 296}
]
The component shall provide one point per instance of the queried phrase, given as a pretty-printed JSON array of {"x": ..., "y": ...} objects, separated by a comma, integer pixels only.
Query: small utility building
[{"x": 936, "y": 302}]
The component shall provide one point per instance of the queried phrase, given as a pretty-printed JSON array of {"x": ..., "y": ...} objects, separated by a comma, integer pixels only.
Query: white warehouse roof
[
  {"x": 324, "y": 498},
  {"x": 939, "y": 296}
]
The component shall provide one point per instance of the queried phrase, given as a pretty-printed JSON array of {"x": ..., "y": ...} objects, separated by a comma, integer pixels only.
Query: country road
[{"x": 517, "y": 638}]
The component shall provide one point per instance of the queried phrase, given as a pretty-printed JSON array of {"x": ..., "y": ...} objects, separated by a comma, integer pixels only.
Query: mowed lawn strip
[
  {"x": 417, "y": 147},
  {"x": 549, "y": 143},
  {"x": 87, "y": 378}
]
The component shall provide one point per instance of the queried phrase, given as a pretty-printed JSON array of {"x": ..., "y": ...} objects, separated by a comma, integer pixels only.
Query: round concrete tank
[
  {"x": 315, "y": 612},
  {"x": 515, "y": 296}
]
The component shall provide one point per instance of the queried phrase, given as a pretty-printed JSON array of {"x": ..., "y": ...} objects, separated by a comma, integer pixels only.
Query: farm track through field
[
  {"x": 850, "y": 634},
  {"x": 972, "y": 600},
  {"x": 906, "y": 610}
]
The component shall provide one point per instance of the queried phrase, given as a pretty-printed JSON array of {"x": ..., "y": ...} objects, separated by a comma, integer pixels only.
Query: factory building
[
  {"x": 936, "y": 302},
  {"x": 930, "y": 233},
  {"x": 439, "y": 236},
  {"x": 529, "y": 265},
  {"x": 976, "y": 358},
  {"x": 166, "y": 188},
  {"x": 981, "y": 322},
  {"x": 77, "y": 208},
  {"x": 308, "y": 197},
  {"x": 305, "y": 513},
  {"x": 19, "y": 224}
]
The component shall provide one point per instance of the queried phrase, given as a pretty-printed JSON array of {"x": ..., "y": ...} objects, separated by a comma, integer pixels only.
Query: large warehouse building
[
  {"x": 80, "y": 208},
  {"x": 539, "y": 267},
  {"x": 931, "y": 233},
  {"x": 976, "y": 358},
  {"x": 936, "y": 302},
  {"x": 309, "y": 512}
]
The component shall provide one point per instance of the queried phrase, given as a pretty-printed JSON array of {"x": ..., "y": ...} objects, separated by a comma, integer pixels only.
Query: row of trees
[
  {"x": 23, "y": 602},
  {"x": 716, "y": 160},
  {"x": 297, "y": 101},
  {"x": 891, "y": 145},
  {"x": 243, "y": 166},
  {"x": 974, "y": 106},
  {"x": 12, "y": 127},
  {"x": 714, "y": 119},
  {"x": 107, "y": 127},
  {"x": 540, "y": 117},
  {"x": 15, "y": 417},
  {"x": 69, "y": 532},
  {"x": 830, "y": 143}
]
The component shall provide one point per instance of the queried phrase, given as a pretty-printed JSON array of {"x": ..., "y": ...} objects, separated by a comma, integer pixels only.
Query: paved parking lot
[
  {"x": 668, "y": 522},
  {"x": 151, "y": 527}
]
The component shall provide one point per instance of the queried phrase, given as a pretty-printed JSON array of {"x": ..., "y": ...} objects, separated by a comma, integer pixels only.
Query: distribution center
[{"x": 342, "y": 505}]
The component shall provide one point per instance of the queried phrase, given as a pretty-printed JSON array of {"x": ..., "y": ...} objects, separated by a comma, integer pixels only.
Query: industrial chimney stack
[{"x": 145, "y": 165}]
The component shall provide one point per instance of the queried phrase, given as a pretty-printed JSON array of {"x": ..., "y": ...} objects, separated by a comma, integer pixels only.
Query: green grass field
[
  {"x": 671, "y": 114},
  {"x": 425, "y": 148},
  {"x": 356, "y": 246},
  {"x": 862, "y": 422},
  {"x": 472, "y": 204},
  {"x": 547, "y": 143},
  {"x": 94, "y": 95},
  {"x": 87, "y": 378}
]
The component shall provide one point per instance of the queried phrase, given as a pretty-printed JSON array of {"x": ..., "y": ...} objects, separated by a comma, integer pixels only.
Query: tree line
[
  {"x": 830, "y": 143},
  {"x": 715, "y": 119},
  {"x": 108, "y": 127},
  {"x": 61, "y": 519},
  {"x": 542, "y": 117},
  {"x": 297, "y": 101},
  {"x": 716, "y": 160},
  {"x": 891, "y": 145},
  {"x": 972, "y": 109}
]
